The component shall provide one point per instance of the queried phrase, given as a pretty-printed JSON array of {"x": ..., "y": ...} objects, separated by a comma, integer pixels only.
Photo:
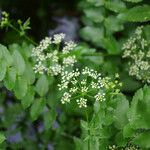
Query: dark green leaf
[
  {"x": 37, "y": 108},
  {"x": 28, "y": 98},
  {"x": 49, "y": 118}
]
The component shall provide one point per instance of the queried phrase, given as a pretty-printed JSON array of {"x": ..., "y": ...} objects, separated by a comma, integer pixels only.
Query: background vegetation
[{"x": 31, "y": 113}]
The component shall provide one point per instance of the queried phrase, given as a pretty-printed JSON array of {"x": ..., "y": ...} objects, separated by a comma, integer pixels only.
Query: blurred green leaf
[
  {"x": 140, "y": 109},
  {"x": 49, "y": 118},
  {"x": 10, "y": 78},
  {"x": 42, "y": 85},
  {"x": 93, "y": 34},
  {"x": 37, "y": 108},
  {"x": 20, "y": 87},
  {"x": 19, "y": 62},
  {"x": 115, "y": 5},
  {"x": 2, "y": 138},
  {"x": 95, "y": 15},
  {"x": 28, "y": 98},
  {"x": 120, "y": 113},
  {"x": 136, "y": 14},
  {"x": 142, "y": 140},
  {"x": 3, "y": 67}
]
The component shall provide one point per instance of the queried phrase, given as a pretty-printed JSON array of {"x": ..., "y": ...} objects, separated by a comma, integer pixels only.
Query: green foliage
[
  {"x": 33, "y": 102},
  {"x": 104, "y": 21},
  {"x": 2, "y": 138},
  {"x": 136, "y": 14}
]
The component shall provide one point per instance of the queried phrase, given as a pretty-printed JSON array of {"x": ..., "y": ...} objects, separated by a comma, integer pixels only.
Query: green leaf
[
  {"x": 142, "y": 140},
  {"x": 133, "y": 1},
  {"x": 111, "y": 45},
  {"x": 120, "y": 113},
  {"x": 128, "y": 131},
  {"x": 140, "y": 109},
  {"x": 93, "y": 34},
  {"x": 115, "y": 5},
  {"x": 49, "y": 118},
  {"x": 37, "y": 108},
  {"x": 120, "y": 141},
  {"x": 84, "y": 125},
  {"x": 10, "y": 78},
  {"x": 95, "y": 2},
  {"x": 28, "y": 98},
  {"x": 113, "y": 24},
  {"x": 19, "y": 62},
  {"x": 20, "y": 88},
  {"x": 2, "y": 138},
  {"x": 29, "y": 74},
  {"x": 136, "y": 14},
  {"x": 95, "y": 15},
  {"x": 42, "y": 85},
  {"x": 78, "y": 143},
  {"x": 3, "y": 67},
  {"x": 5, "y": 54}
]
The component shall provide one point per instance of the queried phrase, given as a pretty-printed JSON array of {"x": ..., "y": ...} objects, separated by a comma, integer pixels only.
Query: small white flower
[
  {"x": 100, "y": 97},
  {"x": 56, "y": 69},
  {"x": 82, "y": 102},
  {"x": 66, "y": 98},
  {"x": 58, "y": 38},
  {"x": 47, "y": 55},
  {"x": 69, "y": 46},
  {"x": 69, "y": 61}
]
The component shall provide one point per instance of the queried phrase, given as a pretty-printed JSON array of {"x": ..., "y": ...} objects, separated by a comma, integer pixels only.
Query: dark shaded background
[{"x": 47, "y": 17}]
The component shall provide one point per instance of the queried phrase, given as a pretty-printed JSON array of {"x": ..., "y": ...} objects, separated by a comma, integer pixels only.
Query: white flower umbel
[
  {"x": 65, "y": 98},
  {"x": 50, "y": 57},
  {"x": 58, "y": 38},
  {"x": 85, "y": 85},
  {"x": 69, "y": 46},
  {"x": 69, "y": 61},
  {"x": 82, "y": 102},
  {"x": 128, "y": 147},
  {"x": 137, "y": 50}
]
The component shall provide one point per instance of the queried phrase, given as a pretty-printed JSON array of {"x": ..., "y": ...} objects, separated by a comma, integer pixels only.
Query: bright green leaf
[
  {"x": 42, "y": 85},
  {"x": 3, "y": 67},
  {"x": 2, "y": 138},
  {"x": 5, "y": 54},
  {"x": 20, "y": 88},
  {"x": 19, "y": 62},
  {"x": 10, "y": 78}
]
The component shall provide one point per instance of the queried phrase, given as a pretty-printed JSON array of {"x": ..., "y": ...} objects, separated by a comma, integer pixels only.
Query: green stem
[
  {"x": 26, "y": 37},
  {"x": 87, "y": 118},
  {"x": 97, "y": 54}
]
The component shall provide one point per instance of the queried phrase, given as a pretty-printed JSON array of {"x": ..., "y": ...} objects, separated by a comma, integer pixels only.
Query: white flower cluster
[
  {"x": 47, "y": 55},
  {"x": 130, "y": 147},
  {"x": 137, "y": 50},
  {"x": 84, "y": 85}
]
